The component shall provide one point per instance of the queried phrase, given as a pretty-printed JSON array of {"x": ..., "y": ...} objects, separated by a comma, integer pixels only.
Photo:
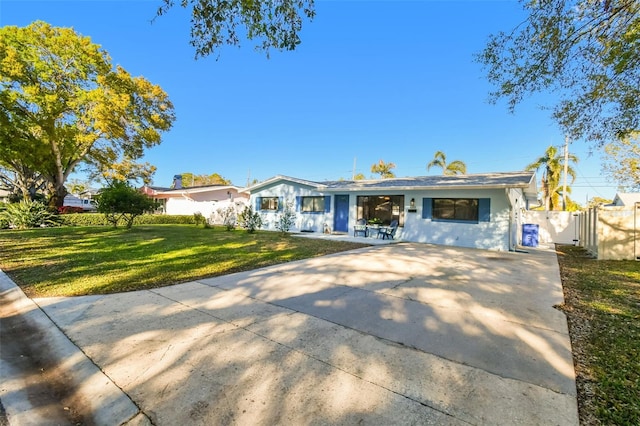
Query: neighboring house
[
  {"x": 206, "y": 200},
  {"x": 4, "y": 196},
  {"x": 478, "y": 210},
  {"x": 626, "y": 199}
]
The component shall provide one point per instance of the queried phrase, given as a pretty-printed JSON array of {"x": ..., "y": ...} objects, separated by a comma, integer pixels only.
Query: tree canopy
[
  {"x": 63, "y": 104},
  {"x": 456, "y": 167},
  {"x": 189, "y": 179},
  {"x": 120, "y": 201},
  {"x": 553, "y": 164},
  {"x": 583, "y": 51},
  {"x": 272, "y": 23},
  {"x": 383, "y": 169},
  {"x": 622, "y": 163}
]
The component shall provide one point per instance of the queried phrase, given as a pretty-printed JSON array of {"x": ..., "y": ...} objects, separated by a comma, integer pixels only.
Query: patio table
[{"x": 374, "y": 230}]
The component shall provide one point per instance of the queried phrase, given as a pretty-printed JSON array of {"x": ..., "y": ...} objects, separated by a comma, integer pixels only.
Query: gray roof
[
  {"x": 471, "y": 181},
  {"x": 522, "y": 179}
]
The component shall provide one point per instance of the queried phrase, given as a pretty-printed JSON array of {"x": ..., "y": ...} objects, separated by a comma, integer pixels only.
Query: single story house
[
  {"x": 206, "y": 200},
  {"x": 626, "y": 199},
  {"x": 475, "y": 210}
]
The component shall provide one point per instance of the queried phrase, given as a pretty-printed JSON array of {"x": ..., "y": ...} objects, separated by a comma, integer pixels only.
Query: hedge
[{"x": 98, "y": 219}]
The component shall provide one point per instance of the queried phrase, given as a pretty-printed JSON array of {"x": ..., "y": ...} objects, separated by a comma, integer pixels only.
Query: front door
[{"x": 341, "y": 213}]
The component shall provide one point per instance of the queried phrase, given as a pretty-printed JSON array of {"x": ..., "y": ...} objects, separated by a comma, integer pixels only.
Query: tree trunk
[{"x": 58, "y": 192}]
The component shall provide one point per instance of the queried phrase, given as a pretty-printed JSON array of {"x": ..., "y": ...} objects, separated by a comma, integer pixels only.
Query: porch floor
[{"x": 345, "y": 237}]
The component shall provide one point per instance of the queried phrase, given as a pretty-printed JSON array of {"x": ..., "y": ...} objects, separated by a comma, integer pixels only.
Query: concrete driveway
[{"x": 394, "y": 334}]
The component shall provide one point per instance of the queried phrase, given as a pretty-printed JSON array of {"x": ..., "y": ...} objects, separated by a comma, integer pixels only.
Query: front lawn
[
  {"x": 74, "y": 261},
  {"x": 602, "y": 303}
]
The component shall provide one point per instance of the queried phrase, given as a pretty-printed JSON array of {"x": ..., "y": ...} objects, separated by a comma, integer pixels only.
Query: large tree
[
  {"x": 62, "y": 104},
  {"x": 584, "y": 52},
  {"x": 553, "y": 165},
  {"x": 273, "y": 23},
  {"x": 455, "y": 167},
  {"x": 21, "y": 182}
]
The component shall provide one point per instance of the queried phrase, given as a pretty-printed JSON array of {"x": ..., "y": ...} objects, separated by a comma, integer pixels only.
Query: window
[
  {"x": 312, "y": 204},
  {"x": 457, "y": 209},
  {"x": 269, "y": 203},
  {"x": 382, "y": 208}
]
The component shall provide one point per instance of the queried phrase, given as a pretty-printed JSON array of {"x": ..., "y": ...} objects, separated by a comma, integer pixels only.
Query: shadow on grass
[{"x": 99, "y": 260}]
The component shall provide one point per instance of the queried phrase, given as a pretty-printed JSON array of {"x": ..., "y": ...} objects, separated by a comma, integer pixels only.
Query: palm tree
[
  {"x": 383, "y": 169},
  {"x": 553, "y": 163},
  {"x": 456, "y": 167}
]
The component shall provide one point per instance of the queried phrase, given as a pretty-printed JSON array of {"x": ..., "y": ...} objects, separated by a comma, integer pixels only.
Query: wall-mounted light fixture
[{"x": 412, "y": 206}]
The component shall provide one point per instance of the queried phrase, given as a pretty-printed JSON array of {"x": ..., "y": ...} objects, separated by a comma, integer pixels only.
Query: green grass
[
  {"x": 602, "y": 302},
  {"x": 99, "y": 260}
]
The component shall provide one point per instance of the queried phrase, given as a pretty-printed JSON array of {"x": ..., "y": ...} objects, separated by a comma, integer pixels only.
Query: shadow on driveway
[{"x": 402, "y": 334}]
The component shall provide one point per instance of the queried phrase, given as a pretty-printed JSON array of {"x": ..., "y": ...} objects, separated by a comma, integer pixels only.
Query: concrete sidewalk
[{"x": 394, "y": 334}]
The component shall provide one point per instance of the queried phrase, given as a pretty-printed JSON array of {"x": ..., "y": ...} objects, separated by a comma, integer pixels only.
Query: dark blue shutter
[
  {"x": 280, "y": 203},
  {"x": 484, "y": 210},
  {"x": 427, "y": 206},
  {"x": 298, "y": 203},
  {"x": 327, "y": 203},
  {"x": 258, "y": 202}
]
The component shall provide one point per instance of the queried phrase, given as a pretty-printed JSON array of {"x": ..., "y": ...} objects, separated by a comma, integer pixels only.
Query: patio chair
[
  {"x": 360, "y": 228},
  {"x": 388, "y": 231}
]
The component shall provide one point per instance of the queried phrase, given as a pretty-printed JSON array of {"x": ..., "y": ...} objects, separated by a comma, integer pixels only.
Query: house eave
[
  {"x": 417, "y": 188},
  {"x": 197, "y": 190},
  {"x": 280, "y": 178}
]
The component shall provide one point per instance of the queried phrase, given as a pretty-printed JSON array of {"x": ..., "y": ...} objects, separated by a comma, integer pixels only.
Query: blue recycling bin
[{"x": 530, "y": 235}]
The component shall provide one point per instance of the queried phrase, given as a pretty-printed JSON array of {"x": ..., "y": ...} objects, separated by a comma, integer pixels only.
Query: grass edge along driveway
[
  {"x": 602, "y": 304},
  {"x": 74, "y": 261}
]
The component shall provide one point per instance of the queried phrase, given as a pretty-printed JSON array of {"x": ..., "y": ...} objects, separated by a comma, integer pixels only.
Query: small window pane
[
  {"x": 462, "y": 209},
  {"x": 312, "y": 204},
  {"x": 269, "y": 203}
]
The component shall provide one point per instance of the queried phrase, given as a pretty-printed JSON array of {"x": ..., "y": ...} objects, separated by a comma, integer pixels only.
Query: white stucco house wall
[
  {"x": 475, "y": 210},
  {"x": 4, "y": 196},
  {"x": 206, "y": 200}
]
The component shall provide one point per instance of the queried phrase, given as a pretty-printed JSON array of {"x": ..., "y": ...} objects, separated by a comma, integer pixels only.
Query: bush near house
[
  {"x": 98, "y": 219},
  {"x": 250, "y": 220}
]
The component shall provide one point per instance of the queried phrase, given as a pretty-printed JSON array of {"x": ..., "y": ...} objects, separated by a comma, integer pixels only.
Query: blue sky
[{"x": 371, "y": 80}]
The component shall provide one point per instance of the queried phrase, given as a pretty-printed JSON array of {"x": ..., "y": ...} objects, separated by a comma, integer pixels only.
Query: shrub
[
  {"x": 229, "y": 217},
  {"x": 98, "y": 219},
  {"x": 120, "y": 201},
  {"x": 160, "y": 219},
  {"x": 249, "y": 219},
  {"x": 70, "y": 209},
  {"x": 4, "y": 223},
  {"x": 29, "y": 214},
  {"x": 84, "y": 219},
  {"x": 286, "y": 219},
  {"x": 199, "y": 219}
]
